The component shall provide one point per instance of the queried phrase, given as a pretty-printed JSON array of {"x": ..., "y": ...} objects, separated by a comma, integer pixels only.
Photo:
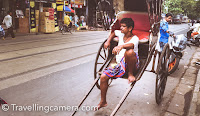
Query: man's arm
[
  {"x": 3, "y": 21},
  {"x": 107, "y": 43},
  {"x": 127, "y": 46}
]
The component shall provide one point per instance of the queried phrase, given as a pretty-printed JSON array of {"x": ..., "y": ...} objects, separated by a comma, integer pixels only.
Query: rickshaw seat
[
  {"x": 141, "y": 24},
  {"x": 142, "y": 35}
]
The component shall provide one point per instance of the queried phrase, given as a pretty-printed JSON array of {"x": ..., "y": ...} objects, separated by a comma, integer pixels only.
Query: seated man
[
  {"x": 126, "y": 56},
  {"x": 196, "y": 31}
]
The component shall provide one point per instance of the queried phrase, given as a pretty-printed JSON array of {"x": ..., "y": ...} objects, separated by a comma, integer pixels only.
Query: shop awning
[{"x": 67, "y": 9}]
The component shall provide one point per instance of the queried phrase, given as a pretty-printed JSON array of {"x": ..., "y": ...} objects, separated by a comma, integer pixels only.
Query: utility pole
[
  {"x": 74, "y": 8},
  {"x": 63, "y": 10}
]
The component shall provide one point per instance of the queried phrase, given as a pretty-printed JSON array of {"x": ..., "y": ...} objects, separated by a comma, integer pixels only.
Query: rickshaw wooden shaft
[
  {"x": 131, "y": 86},
  {"x": 84, "y": 98},
  {"x": 93, "y": 85}
]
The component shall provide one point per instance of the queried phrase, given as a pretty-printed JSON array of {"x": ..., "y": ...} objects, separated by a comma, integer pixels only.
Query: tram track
[
  {"x": 51, "y": 44},
  {"x": 22, "y": 56},
  {"x": 28, "y": 58},
  {"x": 41, "y": 39},
  {"x": 40, "y": 68},
  {"x": 36, "y": 61}
]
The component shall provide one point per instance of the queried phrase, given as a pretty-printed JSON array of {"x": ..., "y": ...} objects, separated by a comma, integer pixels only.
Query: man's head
[
  {"x": 168, "y": 17},
  {"x": 127, "y": 25},
  {"x": 9, "y": 12}
]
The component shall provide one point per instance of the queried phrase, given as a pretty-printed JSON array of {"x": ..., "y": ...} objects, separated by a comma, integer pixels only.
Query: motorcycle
[
  {"x": 195, "y": 42},
  {"x": 177, "y": 44}
]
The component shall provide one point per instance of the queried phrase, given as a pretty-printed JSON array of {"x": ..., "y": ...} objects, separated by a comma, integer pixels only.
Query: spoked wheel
[
  {"x": 162, "y": 73},
  {"x": 64, "y": 30},
  {"x": 102, "y": 61},
  {"x": 70, "y": 31}
]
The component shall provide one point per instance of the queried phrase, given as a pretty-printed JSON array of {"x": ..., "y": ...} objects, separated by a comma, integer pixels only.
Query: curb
[
  {"x": 194, "y": 109},
  {"x": 186, "y": 99}
]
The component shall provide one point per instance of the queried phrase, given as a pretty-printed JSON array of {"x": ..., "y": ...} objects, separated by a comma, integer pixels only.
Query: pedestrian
[
  {"x": 2, "y": 33},
  {"x": 164, "y": 30},
  {"x": 193, "y": 22},
  {"x": 126, "y": 57},
  {"x": 8, "y": 22},
  {"x": 76, "y": 19}
]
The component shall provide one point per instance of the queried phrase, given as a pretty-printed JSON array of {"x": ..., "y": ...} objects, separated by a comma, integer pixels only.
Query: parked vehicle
[
  {"x": 195, "y": 42},
  {"x": 177, "y": 19},
  {"x": 177, "y": 44},
  {"x": 185, "y": 19}
]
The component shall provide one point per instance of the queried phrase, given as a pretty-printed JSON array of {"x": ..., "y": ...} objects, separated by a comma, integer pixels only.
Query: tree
[{"x": 187, "y": 7}]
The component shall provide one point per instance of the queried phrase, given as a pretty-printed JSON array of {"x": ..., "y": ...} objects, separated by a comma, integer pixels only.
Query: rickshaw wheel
[
  {"x": 162, "y": 73},
  {"x": 102, "y": 61}
]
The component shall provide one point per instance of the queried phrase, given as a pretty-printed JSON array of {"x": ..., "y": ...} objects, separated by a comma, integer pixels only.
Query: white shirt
[
  {"x": 134, "y": 40},
  {"x": 197, "y": 28},
  {"x": 7, "y": 21}
]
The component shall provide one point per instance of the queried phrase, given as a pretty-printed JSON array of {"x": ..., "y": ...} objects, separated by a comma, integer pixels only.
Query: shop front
[
  {"x": 36, "y": 16},
  {"x": 80, "y": 15}
]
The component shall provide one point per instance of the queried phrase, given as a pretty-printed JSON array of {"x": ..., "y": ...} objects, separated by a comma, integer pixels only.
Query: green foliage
[{"x": 186, "y": 7}]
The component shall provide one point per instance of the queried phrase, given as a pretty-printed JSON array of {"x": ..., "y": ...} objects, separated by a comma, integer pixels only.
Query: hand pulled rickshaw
[{"x": 146, "y": 28}]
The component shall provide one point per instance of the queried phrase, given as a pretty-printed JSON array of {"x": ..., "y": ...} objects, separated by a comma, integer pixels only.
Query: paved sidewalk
[{"x": 186, "y": 100}]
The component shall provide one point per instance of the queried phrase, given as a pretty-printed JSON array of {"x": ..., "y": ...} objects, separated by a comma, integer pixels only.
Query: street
[{"x": 57, "y": 70}]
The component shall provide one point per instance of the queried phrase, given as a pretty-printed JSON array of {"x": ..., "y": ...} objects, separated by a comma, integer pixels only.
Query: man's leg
[
  {"x": 131, "y": 59},
  {"x": 12, "y": 33},
  {"x": 7, "y": 32},
  {"x": 104, "y": 87}
]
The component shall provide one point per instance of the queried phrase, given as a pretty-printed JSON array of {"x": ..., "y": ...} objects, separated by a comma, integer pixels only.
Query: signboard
[
  {"x": 55, "y": 16},
  {"x": 77, "y": 2},
  {"x": 46, "y": 1},
  {"x": 52, "y": 1},
  {"x": 32, "y": 17},
  {"x": 61, "y": 2}
]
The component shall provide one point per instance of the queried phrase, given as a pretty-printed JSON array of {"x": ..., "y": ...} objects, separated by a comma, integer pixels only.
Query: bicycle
[{"x": 65, "y": 28}]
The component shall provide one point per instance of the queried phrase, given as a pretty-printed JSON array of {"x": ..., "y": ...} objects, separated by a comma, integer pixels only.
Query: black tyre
[
  {"x": 64, "y": 30},
  {"x": 102, "y": 61},
  {"x": 173, "y": 65},
  {"x": 70, "y": 30},
  {"x": 162, "y": 73}
]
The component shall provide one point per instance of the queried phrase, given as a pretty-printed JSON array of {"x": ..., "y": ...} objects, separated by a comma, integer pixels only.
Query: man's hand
[
  {"x": 117, "y": 49},
  {"x": 107, "y": 45}
]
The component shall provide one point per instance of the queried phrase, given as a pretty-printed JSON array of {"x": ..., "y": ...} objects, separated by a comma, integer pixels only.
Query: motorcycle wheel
[{"x": 173, "y": 65}]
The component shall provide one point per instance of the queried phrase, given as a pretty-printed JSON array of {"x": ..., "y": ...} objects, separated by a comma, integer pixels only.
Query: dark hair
[
  {"x": 128, "y": 21},
  {"x": 8, "y": 12},
  {"x": 169, "y": 14}
]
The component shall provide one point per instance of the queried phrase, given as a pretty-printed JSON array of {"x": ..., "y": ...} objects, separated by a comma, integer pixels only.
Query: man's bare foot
[
  {"x": 101, "y": 105},
  {"x": 131, "y": 79}
]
